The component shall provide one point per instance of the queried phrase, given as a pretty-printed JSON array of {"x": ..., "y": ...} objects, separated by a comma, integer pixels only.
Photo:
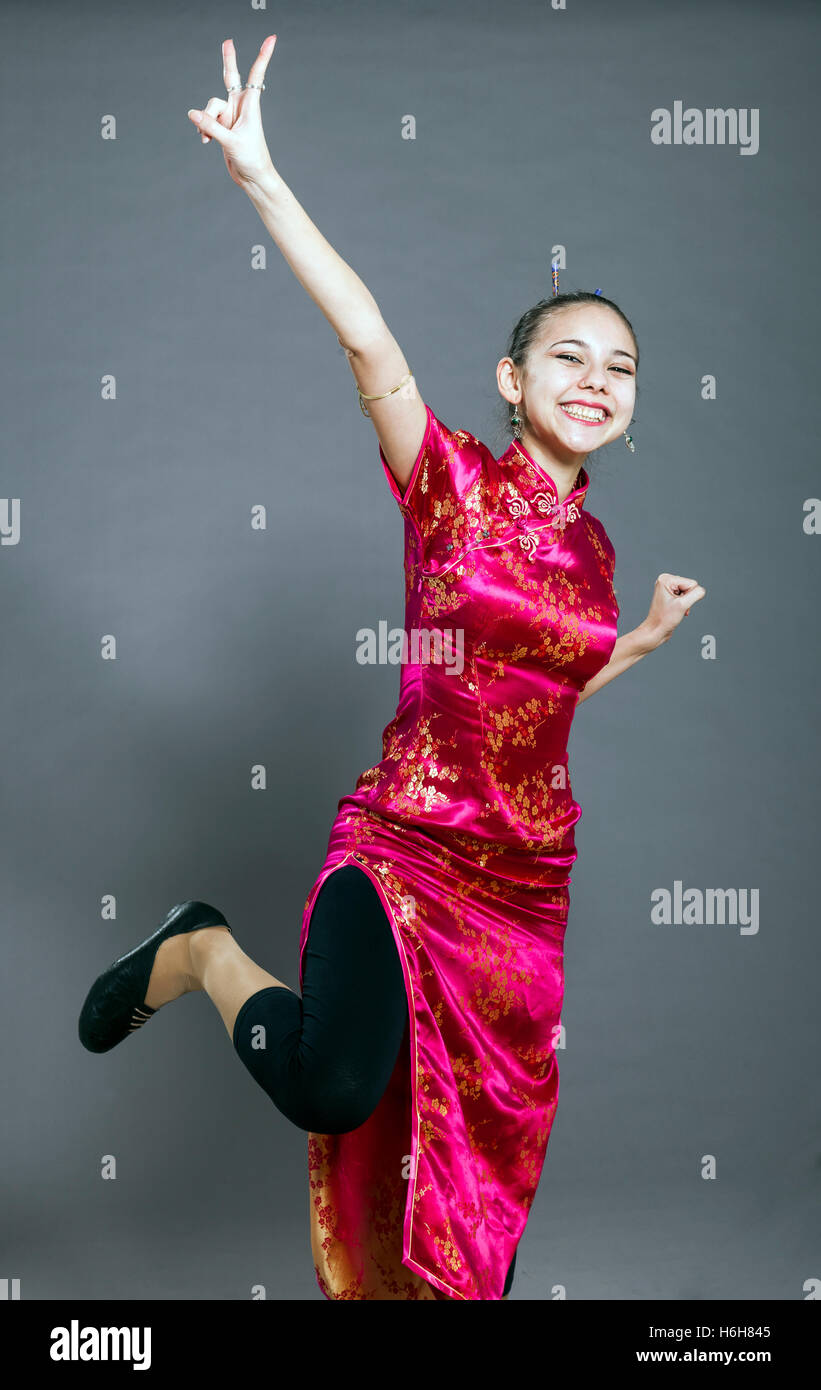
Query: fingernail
[{"x": 194, "y": 113}]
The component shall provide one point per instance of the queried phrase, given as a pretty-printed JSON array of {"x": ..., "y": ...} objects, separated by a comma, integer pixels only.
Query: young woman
[{"x": 420, "y": 1056}]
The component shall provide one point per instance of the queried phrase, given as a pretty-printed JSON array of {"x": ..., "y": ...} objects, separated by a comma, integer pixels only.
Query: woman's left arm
[{"x": 672, "y": 600}]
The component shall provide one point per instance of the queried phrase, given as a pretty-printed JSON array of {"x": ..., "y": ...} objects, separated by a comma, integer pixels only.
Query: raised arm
[{"x": 375, "y": 357}]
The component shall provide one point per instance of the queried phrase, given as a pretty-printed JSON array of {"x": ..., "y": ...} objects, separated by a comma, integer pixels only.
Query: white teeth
[{"x": 585, "y": 412}]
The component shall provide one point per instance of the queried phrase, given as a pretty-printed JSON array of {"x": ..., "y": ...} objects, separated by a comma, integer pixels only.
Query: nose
[{"x": 595, "y": 378}]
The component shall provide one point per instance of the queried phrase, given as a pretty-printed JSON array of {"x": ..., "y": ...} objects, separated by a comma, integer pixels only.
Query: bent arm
[
  {"x": 673, "y": 597},
  {"x": 375, "y": 358},
  {"x": 628, "y": 650}
]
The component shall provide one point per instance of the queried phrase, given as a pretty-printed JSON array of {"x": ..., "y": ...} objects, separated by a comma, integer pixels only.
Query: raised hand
[
  {"x": 236, "y": 123},
  {"x": 673, "y": 597}
]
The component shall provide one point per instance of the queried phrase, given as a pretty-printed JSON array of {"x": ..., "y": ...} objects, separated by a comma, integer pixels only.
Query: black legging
[{"x": 329, "y": 1054}]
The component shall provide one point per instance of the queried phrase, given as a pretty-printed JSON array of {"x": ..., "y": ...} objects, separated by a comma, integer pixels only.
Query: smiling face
[{"x": 577, "y": 395}]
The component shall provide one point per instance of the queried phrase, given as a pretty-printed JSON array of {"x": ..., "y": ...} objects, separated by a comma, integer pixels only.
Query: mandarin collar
[{"x": 516, "y": 451}]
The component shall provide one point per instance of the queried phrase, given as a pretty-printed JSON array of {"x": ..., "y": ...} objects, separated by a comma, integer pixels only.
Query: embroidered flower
[
  {"x": 542, "y": 502},
  {"x": 529, "y": 542},
  {"x": 517, "y": 506}
]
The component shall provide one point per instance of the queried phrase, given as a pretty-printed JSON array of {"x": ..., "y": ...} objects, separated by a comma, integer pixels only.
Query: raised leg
[
  {"x": 324, "y": 1057},
  {"x": 328, "y": 1054}
]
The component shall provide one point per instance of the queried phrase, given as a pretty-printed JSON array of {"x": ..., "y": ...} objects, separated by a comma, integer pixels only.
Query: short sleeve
[
  {"x": 603, "y": 549},
  {"x": 445, "y": 479},
  {"x": 607, "y": 548}
]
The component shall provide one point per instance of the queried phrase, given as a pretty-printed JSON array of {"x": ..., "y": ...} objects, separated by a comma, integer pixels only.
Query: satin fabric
[{"x": 466, "y": 828}]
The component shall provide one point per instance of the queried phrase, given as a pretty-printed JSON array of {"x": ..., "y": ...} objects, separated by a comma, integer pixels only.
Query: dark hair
[{"x": 529, "y": 328}]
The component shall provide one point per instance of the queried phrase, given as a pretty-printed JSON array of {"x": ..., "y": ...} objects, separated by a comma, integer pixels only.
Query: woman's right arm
[{"x": 375, "y": 358}]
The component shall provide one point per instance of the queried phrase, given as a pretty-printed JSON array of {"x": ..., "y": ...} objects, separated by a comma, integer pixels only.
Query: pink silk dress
[{"x": 466, "y": 829}]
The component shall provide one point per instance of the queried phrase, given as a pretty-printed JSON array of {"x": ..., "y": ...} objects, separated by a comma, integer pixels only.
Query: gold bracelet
[{"x": 382, "y": 396}]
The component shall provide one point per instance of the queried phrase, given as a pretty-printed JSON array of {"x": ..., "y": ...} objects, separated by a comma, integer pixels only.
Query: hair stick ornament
[{"x": 555, "y": 270}]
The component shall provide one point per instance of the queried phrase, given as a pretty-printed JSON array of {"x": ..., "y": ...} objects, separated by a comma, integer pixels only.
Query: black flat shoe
[{"x": 115, "y": 1005}]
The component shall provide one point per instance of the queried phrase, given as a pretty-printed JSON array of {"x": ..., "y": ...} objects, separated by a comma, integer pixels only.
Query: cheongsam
[{"x": 466, "y": 828}]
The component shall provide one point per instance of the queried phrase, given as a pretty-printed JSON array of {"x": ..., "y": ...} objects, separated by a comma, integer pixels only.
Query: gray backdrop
[{"x": 132, "y": 257}]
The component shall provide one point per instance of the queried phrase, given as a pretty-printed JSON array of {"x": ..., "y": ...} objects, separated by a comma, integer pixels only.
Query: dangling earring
[
  {"x": 516, "y": 423},
  {"x": 628, "y": 439}
]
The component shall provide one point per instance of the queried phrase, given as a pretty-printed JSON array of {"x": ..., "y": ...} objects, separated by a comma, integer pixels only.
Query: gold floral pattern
[{"x": 465, "y": 826}]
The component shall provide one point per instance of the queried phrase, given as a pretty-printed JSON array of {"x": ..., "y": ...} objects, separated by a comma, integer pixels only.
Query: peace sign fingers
[
  {"x": 230, "y": 71},
  {"x": 236, "y": 123}
]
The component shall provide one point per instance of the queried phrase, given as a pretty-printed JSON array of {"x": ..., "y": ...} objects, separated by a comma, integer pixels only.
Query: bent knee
[{"x": 337, "y": 1105}]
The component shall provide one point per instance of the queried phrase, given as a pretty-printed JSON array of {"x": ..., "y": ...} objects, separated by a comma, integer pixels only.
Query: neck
[{"x": 562, "y": 472}]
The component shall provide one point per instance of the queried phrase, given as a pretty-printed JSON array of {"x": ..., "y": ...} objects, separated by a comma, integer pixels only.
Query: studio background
[{"x": 132, "y": 257}]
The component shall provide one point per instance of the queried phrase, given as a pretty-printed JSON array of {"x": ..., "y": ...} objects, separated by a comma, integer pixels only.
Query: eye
[{"x": 571, "y": 357}]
